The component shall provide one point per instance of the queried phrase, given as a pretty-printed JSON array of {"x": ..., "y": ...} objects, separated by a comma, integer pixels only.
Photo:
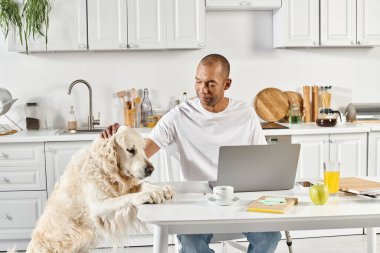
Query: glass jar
[
  {"x": 294, "y": 114},
  {"x": 33, "y": 121}
]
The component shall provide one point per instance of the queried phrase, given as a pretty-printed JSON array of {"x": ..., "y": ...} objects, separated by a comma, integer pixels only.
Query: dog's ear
[{"x": 109, "y": 150}]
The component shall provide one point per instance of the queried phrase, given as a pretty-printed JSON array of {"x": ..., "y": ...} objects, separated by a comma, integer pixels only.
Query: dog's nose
[{"x": 148, "y": 170}]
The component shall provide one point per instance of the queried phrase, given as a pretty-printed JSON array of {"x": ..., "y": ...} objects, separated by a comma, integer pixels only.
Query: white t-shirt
[{"x": 199, "y": 133}]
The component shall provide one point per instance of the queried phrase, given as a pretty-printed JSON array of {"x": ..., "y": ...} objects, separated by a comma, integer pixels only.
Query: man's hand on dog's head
[{"x": 109, "y": 131}]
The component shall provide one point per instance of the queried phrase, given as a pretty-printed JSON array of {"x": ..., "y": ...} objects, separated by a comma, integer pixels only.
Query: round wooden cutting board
[
  {"x": 271, "y": 104},
  {"x": 295, "y": 98}
]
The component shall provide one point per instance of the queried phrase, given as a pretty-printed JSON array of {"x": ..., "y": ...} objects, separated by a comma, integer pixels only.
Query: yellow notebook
[{"x": 272, "y": 204}]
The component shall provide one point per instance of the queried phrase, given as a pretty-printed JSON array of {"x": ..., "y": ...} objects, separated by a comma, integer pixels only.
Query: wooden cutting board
[
  {"x": 295, "y": 98},
  {"x": 271, "y": 104}
]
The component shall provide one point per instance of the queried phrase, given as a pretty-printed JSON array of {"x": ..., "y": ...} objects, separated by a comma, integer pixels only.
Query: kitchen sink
[{"x": 80, "y": 131}]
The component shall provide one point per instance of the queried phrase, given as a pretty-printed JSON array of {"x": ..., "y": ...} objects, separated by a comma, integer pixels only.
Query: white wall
[{"x": 244, "y": 37}]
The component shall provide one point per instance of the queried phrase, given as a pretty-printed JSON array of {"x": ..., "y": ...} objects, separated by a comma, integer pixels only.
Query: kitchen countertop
[
  {"x": 51, "y": 135},
  {"x": 313, "y": 128},
  {"x": 294, "y": 129}
]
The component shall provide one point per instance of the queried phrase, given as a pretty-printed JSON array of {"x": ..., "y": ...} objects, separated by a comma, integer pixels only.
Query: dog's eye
[{"x": 131, "y": 151}]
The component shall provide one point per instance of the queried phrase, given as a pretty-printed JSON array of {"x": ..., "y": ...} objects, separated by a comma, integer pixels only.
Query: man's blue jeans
[{"x": 259, "y": 242}]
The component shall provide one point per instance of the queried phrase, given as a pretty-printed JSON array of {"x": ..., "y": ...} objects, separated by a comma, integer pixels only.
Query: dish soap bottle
[
  {"x": 146, "y": 109},
  {"x": 72, "y": 123}
]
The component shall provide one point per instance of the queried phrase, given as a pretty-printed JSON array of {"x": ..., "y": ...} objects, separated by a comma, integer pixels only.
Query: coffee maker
[{"x": 327, "y": 117}]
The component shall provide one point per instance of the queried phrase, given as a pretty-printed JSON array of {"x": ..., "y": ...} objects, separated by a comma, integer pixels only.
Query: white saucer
[{"x": 213, "y": 201}]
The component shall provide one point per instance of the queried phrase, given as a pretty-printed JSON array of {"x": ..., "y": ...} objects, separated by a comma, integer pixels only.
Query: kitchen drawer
[
  {"x": 278, "y": 139},
  {"x": 18, "y": 154},
  {"x": 21, "y": 178},
  {"x": 19, "y": 212}
]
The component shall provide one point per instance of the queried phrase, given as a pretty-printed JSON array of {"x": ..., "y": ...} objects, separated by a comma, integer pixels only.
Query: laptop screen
[{"x": 258, "y": 167}]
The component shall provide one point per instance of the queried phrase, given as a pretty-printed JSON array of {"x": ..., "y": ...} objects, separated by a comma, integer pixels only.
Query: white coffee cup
[{"x": 223, "y": 193}]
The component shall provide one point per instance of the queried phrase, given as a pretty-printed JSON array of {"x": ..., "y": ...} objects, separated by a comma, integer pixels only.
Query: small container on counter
[
  {"x": 72, "y": 122},
  {"x": 294, "y": 114},
  {"x": 33, "y": 121}
]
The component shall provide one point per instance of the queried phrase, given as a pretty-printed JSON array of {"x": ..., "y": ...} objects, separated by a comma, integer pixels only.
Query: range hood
[{"x": 242, "y": 4}]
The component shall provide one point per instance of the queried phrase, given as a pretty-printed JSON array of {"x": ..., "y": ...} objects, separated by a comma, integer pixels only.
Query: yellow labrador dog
[{"x": 97, "y": 196}]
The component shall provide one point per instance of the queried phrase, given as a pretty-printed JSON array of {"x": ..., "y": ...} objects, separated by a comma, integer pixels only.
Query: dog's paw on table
[{"x": 157, "y": 194}]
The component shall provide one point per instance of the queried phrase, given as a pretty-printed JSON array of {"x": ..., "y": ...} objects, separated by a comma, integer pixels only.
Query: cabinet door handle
[
  {"x": 83, "y": 46},
  {"x": 353, "y": 42},
  {"x": 360, "y": 42},
  {"x": 272, "y": 140},
  {"x": 123, "y": 46},
  {"x": 5, "y": 180},
  {"x": 131, "y": 45},
  {"x": 332, "y": 141},
  {"x": 50, "y": 150},
  {"x": 243, "y": 3},
  {"x": 3, "y": 155},
  {"x": 7, "y": 217},
  {"x": 202, "y": 44}
]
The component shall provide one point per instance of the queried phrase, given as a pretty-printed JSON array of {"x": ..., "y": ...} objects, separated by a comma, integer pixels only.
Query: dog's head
[{"x": 131, "y": 159}]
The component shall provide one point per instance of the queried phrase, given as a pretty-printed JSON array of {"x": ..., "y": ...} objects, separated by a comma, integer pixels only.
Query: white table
[{"x": 190, "y": 213}]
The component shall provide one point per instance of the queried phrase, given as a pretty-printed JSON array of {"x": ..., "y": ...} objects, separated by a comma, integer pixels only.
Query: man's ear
[{"x": 228, "y": 84}]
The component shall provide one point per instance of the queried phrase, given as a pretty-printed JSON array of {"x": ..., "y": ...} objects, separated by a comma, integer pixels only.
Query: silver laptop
[{"x": 258, "y": 167}]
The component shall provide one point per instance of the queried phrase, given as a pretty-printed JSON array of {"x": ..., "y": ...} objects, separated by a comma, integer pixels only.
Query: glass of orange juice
[{"x": 332, "y": 176}]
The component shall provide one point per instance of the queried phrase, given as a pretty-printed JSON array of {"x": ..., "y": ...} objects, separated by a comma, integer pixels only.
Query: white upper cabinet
[
  {"x": 185, "y": 24},
  {"x": 339, "y": 23},
  {"x": 120, "y": 25},
  {"x": 296, "y": 24},
  {"x": 67, "y": 29},
  {"x": 107, "y": 24},
  {"x": 172, "y": 24},
  {"x": 146, "y": 24},
  {"x": 368, "y": 22}
]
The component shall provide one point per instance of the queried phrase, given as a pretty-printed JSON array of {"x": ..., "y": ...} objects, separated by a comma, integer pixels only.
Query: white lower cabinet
[
  {"x": 350, "y": 149},
  {"x": 374, "y": 154},
  {"x": 314, "y": 151},
  {"x": 22, "y": 192},
  {"x": 58, "y": 155},
  {"x": 19, "y": 212}
]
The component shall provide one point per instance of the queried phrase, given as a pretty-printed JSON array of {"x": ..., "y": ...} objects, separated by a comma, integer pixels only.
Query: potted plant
[{"x": 34, "y": 19}]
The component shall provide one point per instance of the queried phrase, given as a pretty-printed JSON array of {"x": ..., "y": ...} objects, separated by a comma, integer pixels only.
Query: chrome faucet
[{"x": 91, "y": 120}]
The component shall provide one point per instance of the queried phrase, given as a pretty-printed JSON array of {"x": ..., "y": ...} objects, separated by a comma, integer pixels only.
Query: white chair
[{"x": 172, "y": 173}]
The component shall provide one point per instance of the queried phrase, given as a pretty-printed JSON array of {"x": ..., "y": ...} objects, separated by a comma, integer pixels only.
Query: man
[{"x": 199, "y": 127}]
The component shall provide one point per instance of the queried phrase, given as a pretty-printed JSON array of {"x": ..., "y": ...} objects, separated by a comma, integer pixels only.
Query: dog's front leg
[
  {"x": 101, "y": 205},
  {"x": 115, "y": 215}
]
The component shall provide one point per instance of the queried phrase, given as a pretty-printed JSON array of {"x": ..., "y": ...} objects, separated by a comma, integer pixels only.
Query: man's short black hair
[{"x": 213, "y": 58}]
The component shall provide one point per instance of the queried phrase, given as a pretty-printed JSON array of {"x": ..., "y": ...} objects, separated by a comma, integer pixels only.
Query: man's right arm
[{"x": 150, "y": 146}]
